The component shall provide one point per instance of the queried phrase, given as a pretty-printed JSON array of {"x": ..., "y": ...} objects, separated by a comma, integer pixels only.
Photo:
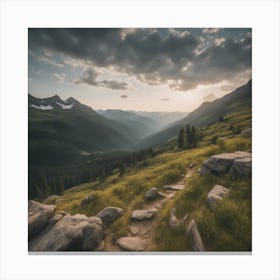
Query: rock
[
  {"x": 222, "y": 163},
  {"x": 191, "y": 165},
  {"x": 87, "y": 199},
  {"x": 38, "y": 216},
  {"x": 242, "y": 167},
  {"x": 134, "y": 229},
  {"x": 63, "y": 213},
  {"x": 152, "y": 194},
  {"x": 55, "y": 219},
  {"x": 247, "y": 132},
  {"x": 131, "y": 244},
  {"x": 217, "y": 193},
  {"x": 174, "y": 187},
  {"x": 192, "y": 231},
  {"x": 143, "y": 214},
  {"x": 173, "y": 222},
  {"x": 71, "y": 233},
  {"x": 51, "y": 199},
  {"x": 109, "y": 214}
]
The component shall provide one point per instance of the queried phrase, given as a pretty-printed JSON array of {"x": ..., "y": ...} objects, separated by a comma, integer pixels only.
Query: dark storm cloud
[
  {"x": 90, "y": 75},
  {"x": 174, "y": 57}
]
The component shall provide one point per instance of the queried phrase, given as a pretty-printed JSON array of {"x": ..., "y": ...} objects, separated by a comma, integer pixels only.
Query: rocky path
[{"x": 142, "y": 228}]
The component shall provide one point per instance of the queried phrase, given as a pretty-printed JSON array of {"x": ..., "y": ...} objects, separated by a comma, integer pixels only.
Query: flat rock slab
[
  {"x": 132, "y": 244},
  {"x": 217, "y": 193},
  {"x": 141, "y": 215},
  {"x": 38, "y": 216},
  {"x": 174, "y": 187}
]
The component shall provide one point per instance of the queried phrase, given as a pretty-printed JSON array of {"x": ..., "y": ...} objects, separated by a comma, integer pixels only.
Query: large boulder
[
  {"x": 242, "y": 166},
  {"x": 38, "y": 216},
  {"x": 222, "y": 163},
  {"x": 70, "y": 233},
  {"x": 109, "y": 214},
  {"x": 141, "y": 215},
  {"x": 152, "y": 194},
  {"x": 217, "y": 193},
  {"x": 193, "y": 233},
  {"x": 132, "y": 244}
]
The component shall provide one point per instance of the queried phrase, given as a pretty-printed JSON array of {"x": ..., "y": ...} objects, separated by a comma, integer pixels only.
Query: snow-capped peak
[
  {"x": 65, "y": 107},
  {"x": 42, "y": 107}
]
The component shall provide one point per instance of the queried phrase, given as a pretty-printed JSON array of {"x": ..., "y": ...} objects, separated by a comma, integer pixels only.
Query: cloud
[
  {"x": 165, "y": 99},
  {"x": 124, "y": 96},
  {"x": 210, "y": 30},
  {"x": 178, "y": 58},
  {"x": 90, "y": 77},
  {"x": 59, "y": 77},
  {"x": 210, "y": 97}
]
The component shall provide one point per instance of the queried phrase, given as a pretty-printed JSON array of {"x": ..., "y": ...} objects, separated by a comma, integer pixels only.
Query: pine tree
[{"x": 181, "y": 138}]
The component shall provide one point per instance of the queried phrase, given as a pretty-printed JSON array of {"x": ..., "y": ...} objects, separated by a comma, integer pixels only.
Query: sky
[{"x": 150, "y": 69}]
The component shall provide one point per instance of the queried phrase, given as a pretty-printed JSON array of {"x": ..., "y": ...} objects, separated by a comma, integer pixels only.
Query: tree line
[
  {"x": 189, "y": 137},
  {"x": 47, "y": 180}
]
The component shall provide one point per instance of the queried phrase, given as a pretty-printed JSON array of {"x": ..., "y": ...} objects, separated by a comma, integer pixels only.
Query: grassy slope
[{"x": 228, "y": 228}]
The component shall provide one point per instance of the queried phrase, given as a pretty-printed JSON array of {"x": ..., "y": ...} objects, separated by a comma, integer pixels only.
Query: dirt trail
[{"x": 145, "y": 230}]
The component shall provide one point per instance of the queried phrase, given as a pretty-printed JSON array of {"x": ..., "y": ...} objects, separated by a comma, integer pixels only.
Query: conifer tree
[{"x": 181, "y": 138}]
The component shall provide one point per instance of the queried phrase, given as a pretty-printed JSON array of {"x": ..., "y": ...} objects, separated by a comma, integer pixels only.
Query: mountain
[
  {"x": 140, "y": 125},
  {"x": 206, "y": 114},
  {"x": 62, "y": 130},
  {"x": 162, "y": 118}
]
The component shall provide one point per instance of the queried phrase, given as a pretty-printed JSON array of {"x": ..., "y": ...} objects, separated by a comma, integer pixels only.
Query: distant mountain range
[
  {"x": 206, "y": 114},
  {"x": 60, "y": 130}
]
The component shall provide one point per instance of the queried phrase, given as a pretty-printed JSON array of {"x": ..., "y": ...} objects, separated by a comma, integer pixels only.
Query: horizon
[{"x": 163, "y": 70}]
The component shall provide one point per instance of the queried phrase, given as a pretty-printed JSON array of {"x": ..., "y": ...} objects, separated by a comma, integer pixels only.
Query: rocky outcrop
[
  {"x": 173, "y": 222},
  {"x": 131, "y": 244},
  {"x": 38, "y": 216},
  {"x": 109, "y": 214},
  {"x": 70, "y": 233},
  {"x": 226, "y": 163},
  {"x": 195, "y": 238},
  {"x": 217, "y": 193},
  {"x": 141, "y": 215}
]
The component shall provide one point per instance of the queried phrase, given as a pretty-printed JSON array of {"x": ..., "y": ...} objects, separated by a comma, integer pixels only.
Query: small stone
[
  {"x": 152, "y": 194},
  {"x": 134, "y": 229},
  {"x": 109, "y": 214},
  {"x": 131, "y": 244}
]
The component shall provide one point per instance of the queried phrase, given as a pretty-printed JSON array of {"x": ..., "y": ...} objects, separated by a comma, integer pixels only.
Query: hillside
[{"x": 206, "y": 114}]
